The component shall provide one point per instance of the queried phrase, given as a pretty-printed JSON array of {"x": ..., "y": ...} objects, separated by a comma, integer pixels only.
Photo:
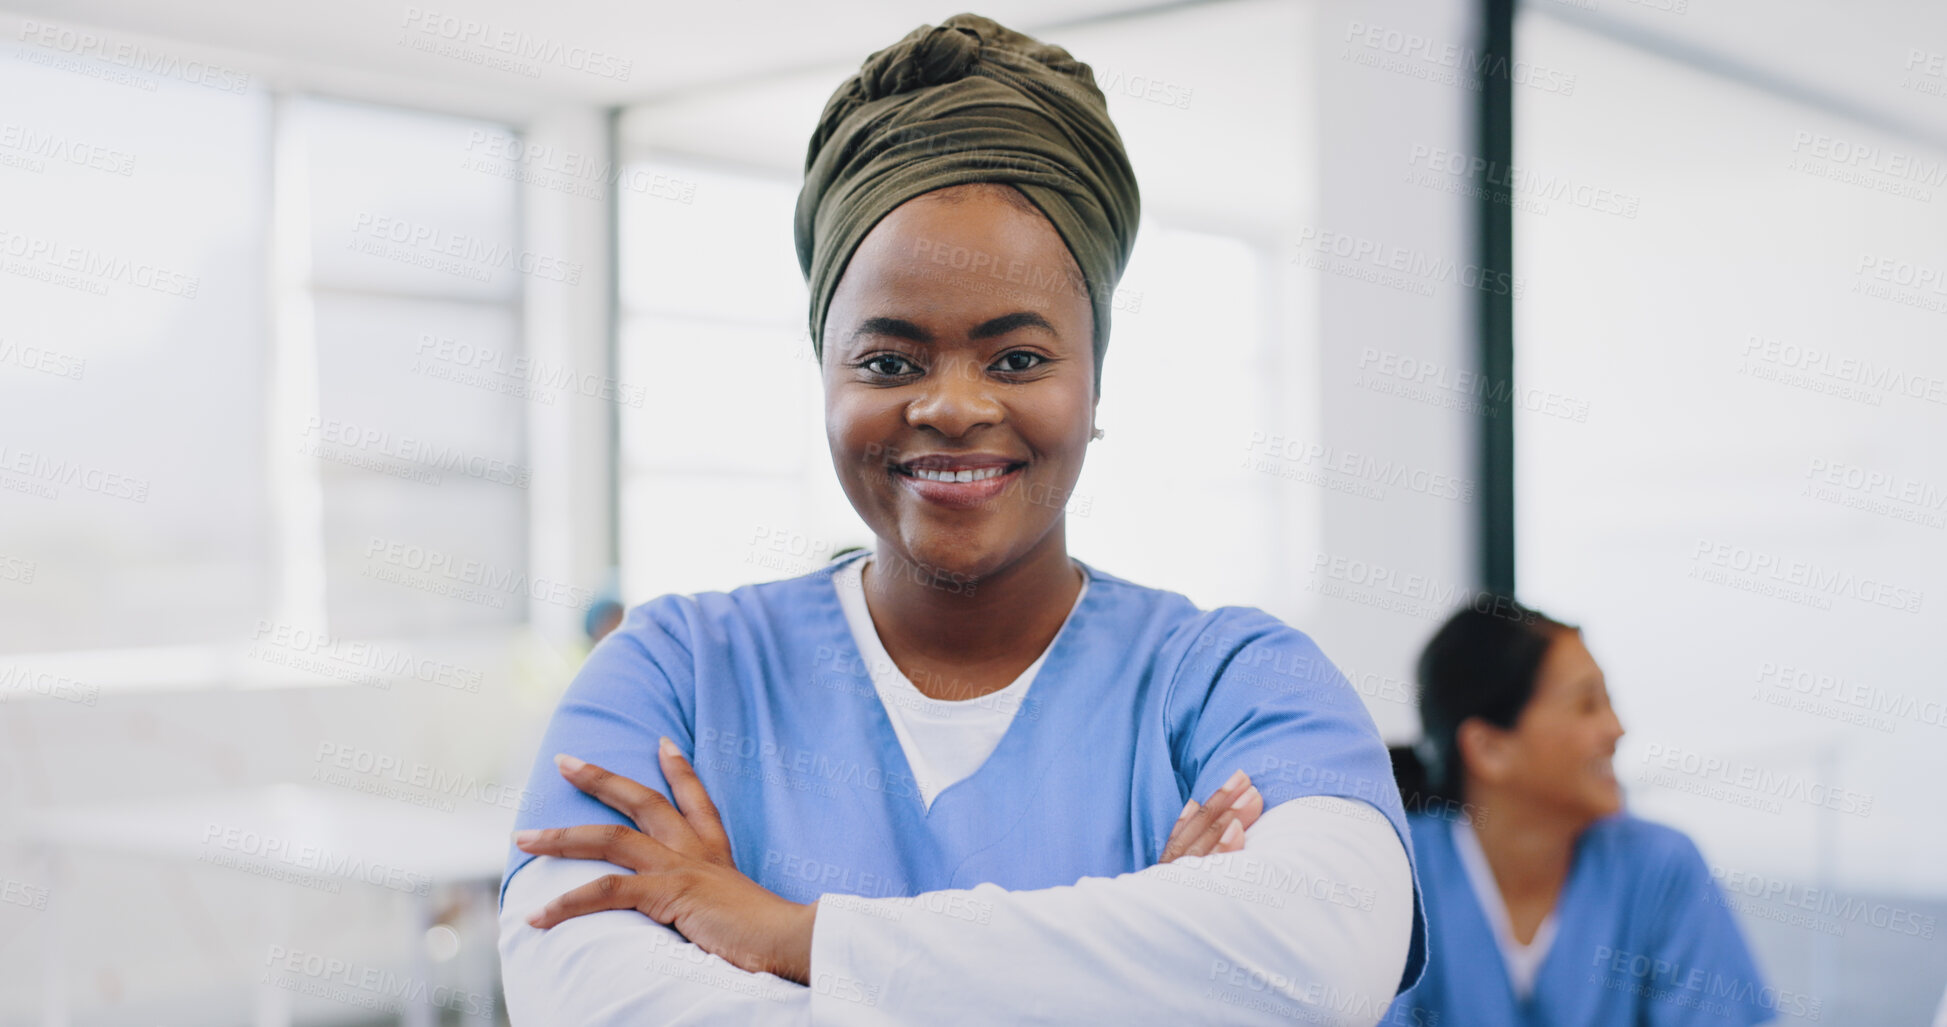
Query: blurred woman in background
[{"x": 1546, "y": 902}]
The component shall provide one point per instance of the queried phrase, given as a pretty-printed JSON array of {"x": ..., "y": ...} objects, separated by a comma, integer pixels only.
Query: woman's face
[
  {"x": 959, "y": 381},
  {"x": 1561, "y": 750}
]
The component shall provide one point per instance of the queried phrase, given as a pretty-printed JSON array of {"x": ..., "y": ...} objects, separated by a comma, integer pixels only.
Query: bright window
[
  {"x": 324, "y": 407},
  {"x": 132, "y": 357},
  {"x": 1736, "y": 300}
]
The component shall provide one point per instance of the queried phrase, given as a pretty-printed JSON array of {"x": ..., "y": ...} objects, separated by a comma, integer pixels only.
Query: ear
[{"x": 1486, "y": 751}]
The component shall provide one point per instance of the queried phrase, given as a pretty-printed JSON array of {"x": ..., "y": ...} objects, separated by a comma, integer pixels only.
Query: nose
[{"x": 954, "y": 400}]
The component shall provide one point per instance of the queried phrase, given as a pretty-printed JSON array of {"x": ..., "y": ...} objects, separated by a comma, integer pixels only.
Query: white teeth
[{"x": 957, "y": 476}]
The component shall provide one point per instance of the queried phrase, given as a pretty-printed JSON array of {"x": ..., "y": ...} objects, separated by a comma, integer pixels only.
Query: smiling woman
[
  {"x": 1550, "y": 904},
  {"x": 947, "y": 407},
  {"x": 963, "y": 758}
]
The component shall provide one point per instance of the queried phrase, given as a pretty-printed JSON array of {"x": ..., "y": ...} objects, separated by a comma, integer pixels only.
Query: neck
[
  {"x": 1528, "y": 846},
  {"x": 931, "y": 615}
]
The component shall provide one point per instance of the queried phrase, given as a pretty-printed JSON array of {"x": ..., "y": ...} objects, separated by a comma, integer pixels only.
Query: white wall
[{"x": 1397, "y": 558}]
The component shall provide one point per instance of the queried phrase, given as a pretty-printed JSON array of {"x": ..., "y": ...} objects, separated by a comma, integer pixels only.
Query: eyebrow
[{"x": 900, "y": 328}]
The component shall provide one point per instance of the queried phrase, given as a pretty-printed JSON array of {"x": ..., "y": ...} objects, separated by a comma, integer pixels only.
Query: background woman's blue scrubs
[{"x": 1643, "y": 939}]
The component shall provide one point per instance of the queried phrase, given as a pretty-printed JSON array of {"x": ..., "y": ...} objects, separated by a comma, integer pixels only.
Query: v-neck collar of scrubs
[
  {"x": 1053, "y": 662},
  {"x": 1522, "y": 962},
  {"x": 849, "y": 576}
]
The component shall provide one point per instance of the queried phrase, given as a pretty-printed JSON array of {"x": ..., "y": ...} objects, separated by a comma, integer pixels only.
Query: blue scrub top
[
  {"x": 1143, "y": 701},
  {"x": 1643, "y": 938}
]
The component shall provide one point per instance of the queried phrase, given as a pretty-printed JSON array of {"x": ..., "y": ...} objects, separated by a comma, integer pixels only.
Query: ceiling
[
  {"x": 1858, "y": 49},
  {"x": 668, "y": 46},
  {"x": 1851, "y": 57},
  {"x": 743, "y": 82}
]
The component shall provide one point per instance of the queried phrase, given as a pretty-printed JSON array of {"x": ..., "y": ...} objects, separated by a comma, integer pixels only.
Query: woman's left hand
[{"x": 684, "y": 875}]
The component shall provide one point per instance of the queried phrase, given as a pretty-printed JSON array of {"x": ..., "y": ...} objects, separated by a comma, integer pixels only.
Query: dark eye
[
  {"x": 898, "y": 365},
  {"x": 1014, "y": 361}
]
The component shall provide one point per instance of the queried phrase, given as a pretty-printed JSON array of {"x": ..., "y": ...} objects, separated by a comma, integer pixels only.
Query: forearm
[
  {"x": 1312, "y": 919},
  {"x": 620, "y": 967}
]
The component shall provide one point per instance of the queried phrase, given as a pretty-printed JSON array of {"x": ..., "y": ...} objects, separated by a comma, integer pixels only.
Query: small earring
[{"x": 1096, "y": 434}]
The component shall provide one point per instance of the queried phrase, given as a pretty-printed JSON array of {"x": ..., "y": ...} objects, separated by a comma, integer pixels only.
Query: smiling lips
[
  {"x": 984, "y": 473},
  {"x": 957, "y": 481}
]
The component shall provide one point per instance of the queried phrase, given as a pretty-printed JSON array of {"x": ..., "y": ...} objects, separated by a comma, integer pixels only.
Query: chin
[
  {"x": 1607, "y": 800},
  {"x": 953, "y": 555}
]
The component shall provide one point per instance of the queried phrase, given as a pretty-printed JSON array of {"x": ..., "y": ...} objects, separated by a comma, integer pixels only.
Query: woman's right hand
[{"x": 1216, "y": 826}]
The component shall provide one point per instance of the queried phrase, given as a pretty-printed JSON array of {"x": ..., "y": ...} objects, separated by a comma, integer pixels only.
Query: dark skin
[
  {"x": 1546, "y": 779},
  {"x": 913, "y": 364},
  {"x": 919, "y": 359}
]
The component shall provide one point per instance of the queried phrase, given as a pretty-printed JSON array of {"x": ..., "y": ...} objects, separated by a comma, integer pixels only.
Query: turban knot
[
  {"x": 966, "y": 101},
  {"x": 940, "y": 56}
]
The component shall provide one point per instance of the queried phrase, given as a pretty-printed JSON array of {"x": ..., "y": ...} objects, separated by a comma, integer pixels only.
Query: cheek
[
  {"x": 1588, "y": 736},
  {"x": 856, "y": 429},
  {"x": 1058, "y": 427},
  {"x": 1579, "y": 752},
  {"x": 1560, "y": 753}
]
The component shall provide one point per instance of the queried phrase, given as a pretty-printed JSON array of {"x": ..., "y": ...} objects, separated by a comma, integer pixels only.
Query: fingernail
[
  {"x": 669, "y": 748},
  {"x": 1236, "y": 780},
  {"x": 1244, "y": 797},
  {"x": 534, "y": 920},
  {"x": 523, "y": 837},
  {"x": 1187, "y": 807},
  {"x": 567, "y": 763},
  {"x": 1232, "y": 833}
]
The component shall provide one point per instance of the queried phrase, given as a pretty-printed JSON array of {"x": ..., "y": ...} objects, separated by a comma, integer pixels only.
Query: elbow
[
  {"x": 519, "y": 945},
  {"x": 1346, "y": 972},
  {"x": 1367, "y": 971},
  {"x": 1345, "y": 931}
]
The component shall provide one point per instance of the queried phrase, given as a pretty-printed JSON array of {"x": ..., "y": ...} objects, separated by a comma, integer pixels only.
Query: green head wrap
[{"x": 968, "y": 101}]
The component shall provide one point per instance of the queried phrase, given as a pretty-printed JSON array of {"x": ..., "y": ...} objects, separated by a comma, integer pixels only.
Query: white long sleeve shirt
[{"x": 1312, "y": 919}]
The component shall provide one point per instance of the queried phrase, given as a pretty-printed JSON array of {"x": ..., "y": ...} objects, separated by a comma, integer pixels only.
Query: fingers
[
  {"x": 1230, "y": 827},
  {"x": 1201, "y": 826},
  {"x": 1249, "y": 806},
  {"x": 1232, "y": 839},
  {"x": 1174, "y": 846},
  {"x": 640, "y": 803},
  {"x": 694, "y": 804},
  {"x": 616, "y": 843},
  {"x": 615, "y": 891},
  {"x": 1225, "y": 834},
  {"x": 1179, "y": 834}
]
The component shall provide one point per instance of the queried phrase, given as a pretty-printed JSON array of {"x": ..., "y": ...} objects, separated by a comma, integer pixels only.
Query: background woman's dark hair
[{"x": 1481, "y": 663}]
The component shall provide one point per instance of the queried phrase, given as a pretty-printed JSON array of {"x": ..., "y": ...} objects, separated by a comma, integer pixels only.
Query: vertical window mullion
[{"x": 296, "y": 488}]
